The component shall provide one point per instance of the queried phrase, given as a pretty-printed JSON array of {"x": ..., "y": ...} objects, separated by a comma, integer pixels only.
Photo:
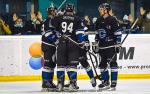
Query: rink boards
[{"x": 133, "y": 60}]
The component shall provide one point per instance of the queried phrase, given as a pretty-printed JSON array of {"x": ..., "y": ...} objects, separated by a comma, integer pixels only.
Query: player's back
[{"x": 68, "y": 24}]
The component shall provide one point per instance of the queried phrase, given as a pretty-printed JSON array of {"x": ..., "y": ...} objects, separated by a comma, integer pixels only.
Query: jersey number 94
[{"x": 67, "y": 27}]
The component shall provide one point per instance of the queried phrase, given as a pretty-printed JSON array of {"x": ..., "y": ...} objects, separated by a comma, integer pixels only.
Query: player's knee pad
[
  {"x": 49, "y": 63},
  {"x": 61, "y": 68},
  {"x": 72, "y": 68},
  {"x": 73, "y": 63},
  {"x": 82, "y": 59},
  {"x": 47, "y": 69}
]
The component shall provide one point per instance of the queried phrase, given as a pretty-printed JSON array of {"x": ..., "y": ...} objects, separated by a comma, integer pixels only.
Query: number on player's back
[{"x": 67, "y": 27}]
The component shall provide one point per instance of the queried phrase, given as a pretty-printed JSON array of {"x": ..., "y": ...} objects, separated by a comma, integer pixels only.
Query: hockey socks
[
  {"x": 72, "y": 75},
  {"x": 114, "y": 76},
  {"x": 91, "y": 75},
  {"x": 104, "y": 74},
  {"x": 89, "y": 72},
  {"x": 48, "y": 74},
  {"x": 60, "y": 75},
  {"x": 47, "y": 79}
]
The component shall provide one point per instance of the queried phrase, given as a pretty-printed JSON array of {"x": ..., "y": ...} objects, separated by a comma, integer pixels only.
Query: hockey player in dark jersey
[
  {"x": 70, "y": 26},
  {"x": 108, "y": 34},
  {"x": 49, "y": 38},
  {"x": 82, "y": 36}
]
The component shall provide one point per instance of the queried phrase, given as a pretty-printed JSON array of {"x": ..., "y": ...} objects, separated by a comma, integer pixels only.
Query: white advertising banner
[
  {"x": 14, "y": 55},
  {"x": 134, "y": 57}
]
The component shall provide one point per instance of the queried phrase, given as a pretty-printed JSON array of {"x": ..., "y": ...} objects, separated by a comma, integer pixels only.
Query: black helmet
[
  {"x": 51, "y": 8},
  {"x": 106, "y": 6},
  {"x": 69, "y": 8}
]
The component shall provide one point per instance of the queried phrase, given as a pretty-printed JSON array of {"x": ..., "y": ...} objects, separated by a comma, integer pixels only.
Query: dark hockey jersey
[
  {"x": 49, "y": 34},
  {"x": 68, "y": 25},
  {"x": 107, "y": 31}
]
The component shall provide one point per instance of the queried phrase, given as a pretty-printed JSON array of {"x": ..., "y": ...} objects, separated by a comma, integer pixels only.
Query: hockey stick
[
  {"x": 62, "y": 4},
  {"x": 96, "y": 61},
  {"x": 71, "y": 40},
  {"x": 107, "y": 47},
  {"x": 48, "y": 44},
  {"x": 121, "y": 44},
  {"x": 97, "y": 76},
  {"x": 129, "y": 30}
]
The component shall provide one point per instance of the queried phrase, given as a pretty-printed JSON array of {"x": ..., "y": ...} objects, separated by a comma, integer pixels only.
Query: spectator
[
  {"x": 94, "y": 20},
  {"x": 18, "y": 27},
  {"x": 126, "y": 23},
  {"x": 130, "y": 18},
  {"x": 33, "y": 26},
  {"x": 88, "y": 22},
  {"x": 4, "y": 28},
  {"x": 144, "y": 20}
]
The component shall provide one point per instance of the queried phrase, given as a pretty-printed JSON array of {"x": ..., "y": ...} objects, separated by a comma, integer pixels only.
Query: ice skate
[
  {"x": 48, "y": 86},
  {"x": 67, "y": 86},
  {"x": 104, "y": 85},
  {"x": 60, "y": 87},
  {"x": 72, "y": 87},
  {"x": 113, "y": 86}
]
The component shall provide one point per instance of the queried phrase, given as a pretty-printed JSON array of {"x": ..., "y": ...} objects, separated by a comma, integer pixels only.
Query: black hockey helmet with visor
[
  {"x": 69, "y": 8},
  {"x": 105, "y": 6},
  {"x": 51, "y": 9}
]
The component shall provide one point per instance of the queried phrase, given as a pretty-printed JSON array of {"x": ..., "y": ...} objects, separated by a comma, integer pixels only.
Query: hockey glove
[
  {"x": 118, "y": 48},
  {"x": 85, "y": 45}
]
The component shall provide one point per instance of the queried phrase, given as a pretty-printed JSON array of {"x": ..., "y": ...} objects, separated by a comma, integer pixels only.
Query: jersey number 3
[{"x": 67, "y": 27}]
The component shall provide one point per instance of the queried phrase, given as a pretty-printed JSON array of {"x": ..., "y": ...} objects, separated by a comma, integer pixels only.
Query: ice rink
[{"x": 124, "y": 87}]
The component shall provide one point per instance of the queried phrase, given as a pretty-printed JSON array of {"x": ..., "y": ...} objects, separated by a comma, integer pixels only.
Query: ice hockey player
[
  {"x": 83, "y": 39},
  {"x": 108, "y": 34},
  {"x": 49, "y": 38},
  {"x": 82, "y": 36},
  {"x": 70, "y": 26}
]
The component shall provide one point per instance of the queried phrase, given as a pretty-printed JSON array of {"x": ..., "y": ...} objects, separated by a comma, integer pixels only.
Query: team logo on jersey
[{"x": 102, "y": 33}]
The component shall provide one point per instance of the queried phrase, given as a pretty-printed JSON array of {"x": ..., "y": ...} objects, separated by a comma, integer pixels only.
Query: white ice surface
[{"x": 123, "y": 87}]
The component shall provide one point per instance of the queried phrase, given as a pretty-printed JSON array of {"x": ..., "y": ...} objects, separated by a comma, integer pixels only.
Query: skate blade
[
  {"x": 73, "y": 90},
  {"x": 48, "y": 90},
  {"x": 111, "y": 89},
  {"x": 69, "y": 90},
  {"x": 60, "y": 90},
  {"x": 103, "y": 89}
]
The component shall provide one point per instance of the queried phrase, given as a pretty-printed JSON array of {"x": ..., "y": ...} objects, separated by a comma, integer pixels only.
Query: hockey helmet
[
  {"x": 105, "y": 6},
  {"x": 51, "y": 9},
  {"x": 69, "y": 8}
]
